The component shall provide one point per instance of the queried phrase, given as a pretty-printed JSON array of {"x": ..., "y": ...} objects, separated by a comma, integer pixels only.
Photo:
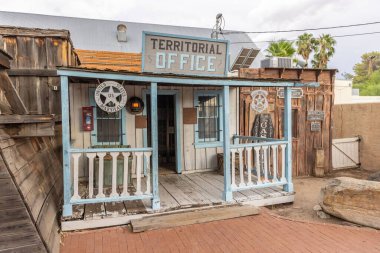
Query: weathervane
[{"x": 110, "y": 96}]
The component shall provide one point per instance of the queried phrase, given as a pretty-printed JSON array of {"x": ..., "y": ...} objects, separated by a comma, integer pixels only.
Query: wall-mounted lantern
[{"x": 135, "y": 105}]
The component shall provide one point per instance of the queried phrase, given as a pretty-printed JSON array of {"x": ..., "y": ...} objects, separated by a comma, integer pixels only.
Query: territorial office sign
[{"x": 174, "y": 54}]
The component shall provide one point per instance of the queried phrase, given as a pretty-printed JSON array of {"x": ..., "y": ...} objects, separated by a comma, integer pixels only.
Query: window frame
[
  {"x": 205, "y": 144},
  {"x": 94, "y": 132}
]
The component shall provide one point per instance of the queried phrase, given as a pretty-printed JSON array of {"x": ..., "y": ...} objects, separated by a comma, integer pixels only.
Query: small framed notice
[
  {"x": 189, "y": 116},
  {"x": 315, "y": 126}
]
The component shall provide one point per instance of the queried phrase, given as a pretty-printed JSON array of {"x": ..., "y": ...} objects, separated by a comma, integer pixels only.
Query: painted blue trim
[
  {"x": 288, "y": 137},
  {"x": 258, "y": 144},
  {"x": 257, "y": 186},
  {"x": 67, "y": 207},
  {"x": 154, "y": 127},
  {"x": 227, "y": 192},
  {"x": 214, "y": 144},
  {"x": 178, "y": 118},
  {"x": 123, "y": 124},
  {"x": 197, "y": 94},
  {"x": 227, "y": 42},
  {"x": 143, "y": 51},
  {"x": 170, "y": 35},
  {"x": 110, "y": 199},
  {"x": 253, "y": 138},
  {"x": 174, "y": 80},
  {"x": 227, "y": 59},
  {"x": 101, "y": 150}
]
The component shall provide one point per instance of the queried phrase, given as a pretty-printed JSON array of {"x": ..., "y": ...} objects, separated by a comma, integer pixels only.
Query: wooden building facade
[
  {"x": 30, "y": 138},
  {"x": 312, "y": 137},
  {"x": 151, "y": 155}
]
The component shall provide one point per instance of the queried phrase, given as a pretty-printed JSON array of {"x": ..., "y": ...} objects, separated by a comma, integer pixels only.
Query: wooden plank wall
[
  {"x": 32, "y": 51},
  {"x": 193, "y": 159},
  {"x": 37, "y": 173},
  {"x": 320, "y": 98},
  {"x": 17, "y": 231}
]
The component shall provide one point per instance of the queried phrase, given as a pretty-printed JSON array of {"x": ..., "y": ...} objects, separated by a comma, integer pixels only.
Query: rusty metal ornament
[
  {"x": 259, "y": 100},
  {"x": 110, "y": 96}
]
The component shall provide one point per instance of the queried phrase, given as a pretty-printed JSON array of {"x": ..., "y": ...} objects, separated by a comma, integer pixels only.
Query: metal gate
[{"x": 345, "y": 153}]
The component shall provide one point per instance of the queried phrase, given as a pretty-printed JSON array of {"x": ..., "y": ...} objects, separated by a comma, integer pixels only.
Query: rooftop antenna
[{"x": 218, "y": 27}]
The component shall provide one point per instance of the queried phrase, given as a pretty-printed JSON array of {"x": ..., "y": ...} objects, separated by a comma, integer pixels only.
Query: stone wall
[{"x": 351, "y": 120}]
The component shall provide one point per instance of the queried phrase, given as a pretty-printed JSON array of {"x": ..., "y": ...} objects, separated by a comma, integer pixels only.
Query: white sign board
[
  {"x": 174, "y": 54},
  {"x": 110, "y": 96}
]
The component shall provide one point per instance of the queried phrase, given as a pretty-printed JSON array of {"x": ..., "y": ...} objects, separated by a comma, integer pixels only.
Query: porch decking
[{"x": 176, "y": 191}]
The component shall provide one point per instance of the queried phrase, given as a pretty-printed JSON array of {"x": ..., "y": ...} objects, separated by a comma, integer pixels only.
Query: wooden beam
[
  {"x": 32, "y": 72},
  {"x": 33, "y": 32},
  {"x": 31, "y": 130},
  {"x": 5, "y": 60},
  {"x": 25, "y": 119},
  {"x": 227, "y": 191},
  {"x": 14, "y": 100},
  {"x": 154, "y": 137},
  {"x": 192, "y": 217}
]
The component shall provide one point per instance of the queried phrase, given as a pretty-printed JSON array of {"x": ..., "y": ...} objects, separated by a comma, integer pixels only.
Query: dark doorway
[{"x": 166, "y": 131}]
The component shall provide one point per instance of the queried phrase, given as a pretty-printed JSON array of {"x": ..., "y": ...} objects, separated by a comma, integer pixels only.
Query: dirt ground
[{"x": 307, "y": 196}]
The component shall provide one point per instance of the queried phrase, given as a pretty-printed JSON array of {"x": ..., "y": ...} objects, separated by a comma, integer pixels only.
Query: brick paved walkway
[{"x": 261, "y": 233}]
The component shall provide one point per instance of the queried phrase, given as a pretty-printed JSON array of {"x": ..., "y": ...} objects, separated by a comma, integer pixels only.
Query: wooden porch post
[
  {"x": 288, "y": 137},
  {"x": 154, "y": 137},
  {"x": 67, "y": 207},
  {"x": 227, "y": 193}
]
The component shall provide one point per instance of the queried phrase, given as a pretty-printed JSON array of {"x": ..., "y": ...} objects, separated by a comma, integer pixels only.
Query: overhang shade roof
[{"x": 106, "y": 60}]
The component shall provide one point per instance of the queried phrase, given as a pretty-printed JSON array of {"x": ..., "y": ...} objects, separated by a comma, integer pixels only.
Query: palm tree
[
  {"x": 281, "y": 48},
  {"x": 305, "y": 45},
  {"x": 324, "y": 50}
]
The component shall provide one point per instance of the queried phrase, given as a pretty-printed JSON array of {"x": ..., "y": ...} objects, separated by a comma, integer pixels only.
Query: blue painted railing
[
  {"x": 119, "y": 189},
  {"x": 258, "y": 162}
]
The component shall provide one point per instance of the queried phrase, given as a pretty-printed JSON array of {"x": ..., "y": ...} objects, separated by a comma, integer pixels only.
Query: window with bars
[
  {"x": 209, "y": 127},
  {"x": 109, "y": 128}
]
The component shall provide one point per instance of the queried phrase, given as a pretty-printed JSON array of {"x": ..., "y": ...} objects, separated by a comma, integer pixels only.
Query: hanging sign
[
  {"x": 110, "y": 96},
  {"x": 315, "y": 115},
  {"x": 174, "y": 54},
  {"x": 296, "y": 93},
  {"x": 263, "y": 126},
  {"x": 259, "y": 100},
  {"x": 315, "y": 126}
]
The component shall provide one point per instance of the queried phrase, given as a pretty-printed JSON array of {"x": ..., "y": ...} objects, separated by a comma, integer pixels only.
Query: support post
[
  {"x": 154, "y": 137},
  {"x": 67, "y": 207},
  {"x": 288, "y": 137},
  {"x": 227, "y": 193}
]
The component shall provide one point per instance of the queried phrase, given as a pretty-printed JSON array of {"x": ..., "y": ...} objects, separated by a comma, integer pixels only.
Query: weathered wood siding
[
  {"x": 37, "y": 173},
  {"x": 35, "y": 163},
  {"x": 193, "y": 159},
  {"x": 17, "y": 231},
  {"x": 305, "y": 142},
  {"x": 33, "y": 50}
]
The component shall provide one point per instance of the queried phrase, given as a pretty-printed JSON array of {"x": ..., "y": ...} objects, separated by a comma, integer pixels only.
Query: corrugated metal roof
[{"x": 100, "y": 35}]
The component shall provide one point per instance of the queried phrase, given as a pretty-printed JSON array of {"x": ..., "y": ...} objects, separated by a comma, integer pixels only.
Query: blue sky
[{"x": 246, "y": 15}]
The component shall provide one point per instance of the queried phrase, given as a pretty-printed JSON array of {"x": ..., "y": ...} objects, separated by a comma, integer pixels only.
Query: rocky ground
[{"x": 308, "y": 194}]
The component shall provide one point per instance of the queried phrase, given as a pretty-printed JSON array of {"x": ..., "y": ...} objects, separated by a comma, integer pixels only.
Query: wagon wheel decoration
[
  {"x": 259, "y": 100},
  {"x": 110, "y": 96}
]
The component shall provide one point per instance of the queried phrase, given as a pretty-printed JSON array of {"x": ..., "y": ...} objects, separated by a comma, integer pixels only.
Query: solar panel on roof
[{"x": 245, "y": 58}]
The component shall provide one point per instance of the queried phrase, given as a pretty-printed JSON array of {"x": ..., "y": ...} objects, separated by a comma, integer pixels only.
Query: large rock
[
  {"x": 375, "y": 176},
  {"x": 353, "y": 200}
]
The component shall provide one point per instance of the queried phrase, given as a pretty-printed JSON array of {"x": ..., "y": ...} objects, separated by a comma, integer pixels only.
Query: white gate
[{"x": 345, "y": 153}]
